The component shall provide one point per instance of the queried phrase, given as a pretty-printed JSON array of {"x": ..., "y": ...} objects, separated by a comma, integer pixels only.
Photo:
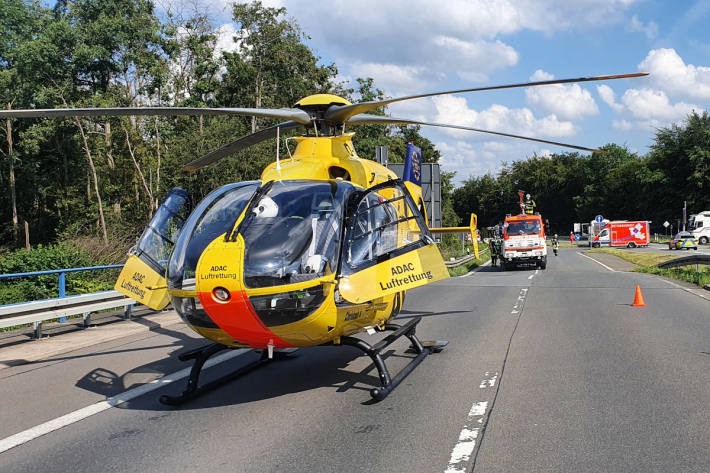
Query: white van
[{"x": 699, "y": 226}]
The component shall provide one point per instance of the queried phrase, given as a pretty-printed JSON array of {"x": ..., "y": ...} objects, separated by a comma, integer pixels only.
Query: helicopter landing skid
[
  {"x": 201, "y": 355},
  {"x": 373, "y": 351}
]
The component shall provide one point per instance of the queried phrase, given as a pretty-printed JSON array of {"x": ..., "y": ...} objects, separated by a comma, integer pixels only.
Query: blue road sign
[
  {"x": 576, "y": 236},
  {"x": 599, "y": 219}
]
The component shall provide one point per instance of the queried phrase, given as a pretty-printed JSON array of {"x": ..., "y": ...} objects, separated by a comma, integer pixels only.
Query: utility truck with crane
[{"x": 524, "y": 239}]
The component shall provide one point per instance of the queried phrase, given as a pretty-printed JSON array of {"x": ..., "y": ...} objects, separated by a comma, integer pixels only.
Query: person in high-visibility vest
[
  {"x": 494, "y": 250},
  {"x": 529, "y": 204},
  {"x": 571, "y": 237},
  {"x": 555, "y": 244}
]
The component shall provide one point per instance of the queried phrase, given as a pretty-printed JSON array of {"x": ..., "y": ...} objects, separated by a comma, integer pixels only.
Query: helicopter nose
[{"x": 231, "y": 310}]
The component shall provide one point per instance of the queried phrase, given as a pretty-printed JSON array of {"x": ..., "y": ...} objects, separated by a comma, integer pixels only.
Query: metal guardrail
[
  {"x": 463, "y": 259},
  {"x": 62, "y": 274},
  {"x": 686, "y": 261},
  {"x": 36, "y": 312}
]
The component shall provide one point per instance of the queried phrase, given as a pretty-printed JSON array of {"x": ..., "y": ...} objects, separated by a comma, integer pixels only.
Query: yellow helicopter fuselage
[{"x": 232, "y": 311}]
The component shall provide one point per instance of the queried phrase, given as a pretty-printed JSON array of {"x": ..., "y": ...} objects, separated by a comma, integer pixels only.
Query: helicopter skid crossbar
[
  {"x": 201, "y": 355},
  {"x": 389, "y": 383}
]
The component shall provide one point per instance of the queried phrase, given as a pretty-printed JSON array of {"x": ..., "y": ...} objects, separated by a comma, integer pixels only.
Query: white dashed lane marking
[
  {"x": 520, "y": 301},
  {"x": 466, "y": 443}
]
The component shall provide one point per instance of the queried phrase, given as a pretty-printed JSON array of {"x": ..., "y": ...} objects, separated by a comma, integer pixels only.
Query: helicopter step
[
  {"x": 373, "y": 351},
  {"x": 201, "y": 355}
]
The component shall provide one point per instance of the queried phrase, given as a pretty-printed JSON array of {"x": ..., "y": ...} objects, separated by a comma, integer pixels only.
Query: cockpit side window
[
  {"x": 159, "y": 237},
  {"x": 383, "y": 224}
]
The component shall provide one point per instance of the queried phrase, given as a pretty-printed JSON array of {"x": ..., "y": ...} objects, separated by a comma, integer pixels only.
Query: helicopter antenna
[{"x": 289, "y": 149}]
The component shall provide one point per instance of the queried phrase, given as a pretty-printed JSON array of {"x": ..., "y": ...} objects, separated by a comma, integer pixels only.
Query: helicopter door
[
  {"x": 143, "y": 275},
  {"x": 388, "y": 247}
]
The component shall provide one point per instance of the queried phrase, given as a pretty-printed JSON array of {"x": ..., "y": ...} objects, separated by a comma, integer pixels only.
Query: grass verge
[
  {"x": 644, "y": 260},
  {"x": 701, "y": 278},
  {"x": 469, "y": 266},
  {"x": 647, "y": 263}
]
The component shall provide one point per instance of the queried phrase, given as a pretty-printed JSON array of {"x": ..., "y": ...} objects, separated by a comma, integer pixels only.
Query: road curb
[{"x": 38, "y": 350}]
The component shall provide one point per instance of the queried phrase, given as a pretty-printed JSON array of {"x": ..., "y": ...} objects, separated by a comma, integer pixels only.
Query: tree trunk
[
  {"x": 95, "y": 179},
  {"x": 157, "y": 169},
  {"x": 109, "y": 155},
  {"x": 11, "y": 158},
  {"x": 258, "y": 102},
  {"x": 148, "y": 190}
]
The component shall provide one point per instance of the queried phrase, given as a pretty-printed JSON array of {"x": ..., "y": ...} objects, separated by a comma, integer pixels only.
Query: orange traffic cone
[{"x": 638, "y": 298}]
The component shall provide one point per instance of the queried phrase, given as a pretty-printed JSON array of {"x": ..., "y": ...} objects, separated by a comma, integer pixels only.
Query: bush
[{"x": 44, "y": 258}]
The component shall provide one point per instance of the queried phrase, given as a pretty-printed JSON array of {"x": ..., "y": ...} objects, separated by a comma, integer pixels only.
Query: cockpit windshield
[
  {"x": 214, "y": 216},
  {"x": 293, "y": 232},
  {"x": 523, "y": 227}
]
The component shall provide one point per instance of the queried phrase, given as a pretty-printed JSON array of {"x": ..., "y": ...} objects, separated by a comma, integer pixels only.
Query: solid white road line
[
  {"x": 76, "y": 416},
  {"x": 598, "y": 262}
]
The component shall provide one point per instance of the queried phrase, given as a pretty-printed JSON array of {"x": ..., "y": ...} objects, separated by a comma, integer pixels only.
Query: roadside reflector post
[
  {"x": 87, "y": 319},
  {"x": 127, "y": 312},
  {"x": 37, "y": 327}
]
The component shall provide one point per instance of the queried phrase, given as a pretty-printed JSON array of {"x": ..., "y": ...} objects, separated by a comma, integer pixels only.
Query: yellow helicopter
[{"x": 324, "y": 246}]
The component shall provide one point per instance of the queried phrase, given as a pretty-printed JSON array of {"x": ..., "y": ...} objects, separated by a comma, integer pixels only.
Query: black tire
[
  {"x": 543, "y": 263},
  {"x": 670, "y": 247},
  {"x": 695, "y": 248},
  {"x": 631, "y": 245},
  {"x": 703, "y": 240}
]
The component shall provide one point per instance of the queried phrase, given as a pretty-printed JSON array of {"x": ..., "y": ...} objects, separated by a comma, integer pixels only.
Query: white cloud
[
  {"x": 607, "y": 95},
  {"x": 622, "y": 125},
  {"x": 456, "y": 37},
  {"x": 569, "y": 102},
  {"x": 654, "y": 107},
  {"x": 520, "y": 121},
  {"x": 668, "y": 72},
  {"x": 474, "y": 60},
  {"x": 393, "y": 78},
  {"x": 421, "y": 109},
  {"x": 540, "y": 76},
  {"x": 462, "y": 158},
  {"x": 495, "y": 146},
  {"x": 225, "y": 39},
  {"x": 650, "y": 29}
]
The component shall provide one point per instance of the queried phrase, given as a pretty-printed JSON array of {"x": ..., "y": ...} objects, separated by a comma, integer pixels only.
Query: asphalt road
[
  {"x": 545, "y": 371},
  {"x": 662, "y": 248}
]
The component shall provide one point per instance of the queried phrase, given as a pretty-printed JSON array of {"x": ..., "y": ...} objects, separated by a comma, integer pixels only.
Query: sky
[{"x": 417, "y": 46}]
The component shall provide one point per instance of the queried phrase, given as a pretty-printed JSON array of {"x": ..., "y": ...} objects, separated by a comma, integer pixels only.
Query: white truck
[{"x": 699, "y": 226}]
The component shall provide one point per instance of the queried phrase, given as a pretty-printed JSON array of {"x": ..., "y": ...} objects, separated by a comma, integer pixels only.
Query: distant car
[{"x": 683, "y": 240}]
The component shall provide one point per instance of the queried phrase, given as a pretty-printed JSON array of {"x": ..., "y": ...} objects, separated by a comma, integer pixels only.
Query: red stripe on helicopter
[{"x": 238, "y": 319}]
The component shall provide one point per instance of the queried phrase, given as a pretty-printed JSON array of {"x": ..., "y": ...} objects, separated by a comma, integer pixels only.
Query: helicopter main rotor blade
[
  {"x": 364, "y": 119},
  {"x": 239, "y": 145},
  {"x": 341, "y": 113},
  {"x": 294, "y": 114}
]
